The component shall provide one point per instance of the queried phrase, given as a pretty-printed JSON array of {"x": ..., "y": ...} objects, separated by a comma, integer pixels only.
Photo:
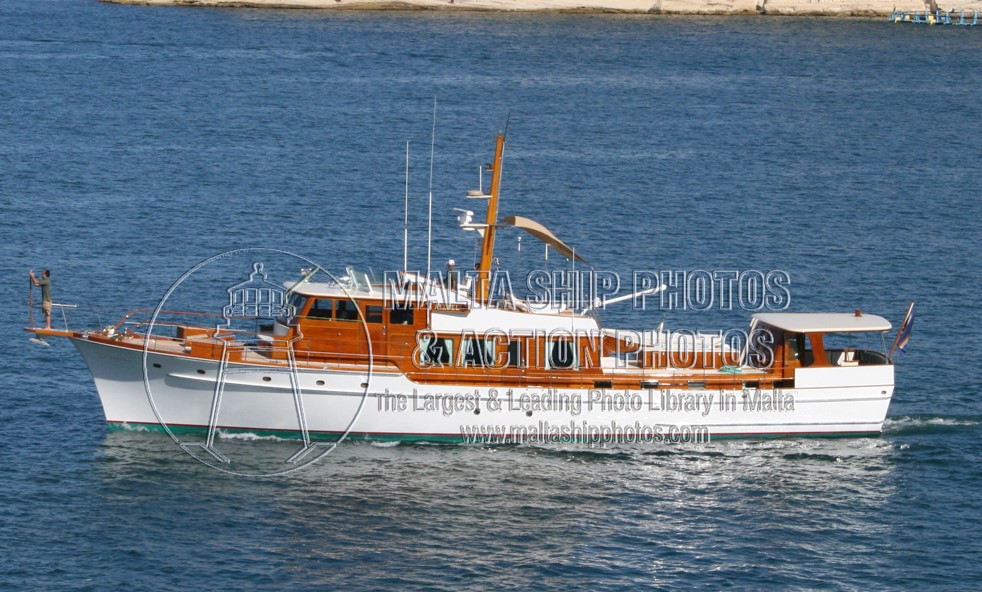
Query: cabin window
[
  {"x": 854, "y": 349},
  {"x": 436, "y": 351},
  {"x": 561, "y": 353},
  {"x": 758, "y": 348},
  {"x": 399, "y": 315},
  {"x": 346, "y": 311},
  {"x": 515, "y": 354},
  {"x": 373, "y": 314},
  {"x": 476, "y": 352},
  {"x": 805, "y": 348},
  {"x": 794, "y": 347},
  {"x": 322, "y": 308},
  {"x": 294, "y": 308}
]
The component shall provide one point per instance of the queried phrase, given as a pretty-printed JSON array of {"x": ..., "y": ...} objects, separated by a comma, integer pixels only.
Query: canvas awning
[
  {"x": 543, "y": 234},
  {"x": 823, "y": 322}
]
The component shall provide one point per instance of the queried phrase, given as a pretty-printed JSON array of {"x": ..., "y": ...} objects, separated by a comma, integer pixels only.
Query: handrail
[
  {"x": 151, "y": 311},
  {"x": 64, "y": 317}
]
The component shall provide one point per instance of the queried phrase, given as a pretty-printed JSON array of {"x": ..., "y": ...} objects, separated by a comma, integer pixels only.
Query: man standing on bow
[{"x": 45, "y": 284}]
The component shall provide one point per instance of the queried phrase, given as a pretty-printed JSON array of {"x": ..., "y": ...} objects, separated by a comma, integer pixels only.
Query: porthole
[
  {"x": 320, "y": 383},
  {"x": 156, "y": 365},
  {"x": 200, "y": 371},
  {"x": 266, "y": 378}
]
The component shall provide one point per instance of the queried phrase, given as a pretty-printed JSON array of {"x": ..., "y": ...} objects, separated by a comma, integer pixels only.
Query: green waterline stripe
[{"x": 451, "y": 438}]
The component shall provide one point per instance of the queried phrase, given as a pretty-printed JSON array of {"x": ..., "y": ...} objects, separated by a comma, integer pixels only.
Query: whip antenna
[
  {"x": 429, "y": 229},
  {"x": 405, "y": 221}
]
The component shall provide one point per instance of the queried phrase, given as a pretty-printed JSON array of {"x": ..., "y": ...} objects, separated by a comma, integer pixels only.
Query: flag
[{"x": 903, "y": 334}]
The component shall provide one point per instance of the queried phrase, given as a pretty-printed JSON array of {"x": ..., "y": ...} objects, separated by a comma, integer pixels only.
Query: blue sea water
[{"x": 138, "y": 141}]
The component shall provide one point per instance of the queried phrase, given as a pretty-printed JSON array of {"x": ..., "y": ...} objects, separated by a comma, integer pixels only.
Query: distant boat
[
  {"x": 936, "y": 17},
  {"x": 424, "y": 358}
]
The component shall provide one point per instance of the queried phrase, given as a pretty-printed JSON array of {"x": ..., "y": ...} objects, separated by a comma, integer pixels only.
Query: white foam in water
[
  {"x": 250, "y": 437},
  {"x": 899, "y": 424}
]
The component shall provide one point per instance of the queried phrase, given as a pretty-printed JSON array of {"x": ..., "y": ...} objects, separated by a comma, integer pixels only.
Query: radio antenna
[
  {"x": 429, "y": 231},
  {"x": 405, "y": 221}
]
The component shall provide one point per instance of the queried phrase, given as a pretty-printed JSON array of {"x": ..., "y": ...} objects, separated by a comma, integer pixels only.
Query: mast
[
  {"x": 487, "y": 248},
  {"x": 405, "y": 220}
]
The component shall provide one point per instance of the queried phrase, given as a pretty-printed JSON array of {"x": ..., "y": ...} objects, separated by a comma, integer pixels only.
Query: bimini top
[{"x": 823, "y": 322}]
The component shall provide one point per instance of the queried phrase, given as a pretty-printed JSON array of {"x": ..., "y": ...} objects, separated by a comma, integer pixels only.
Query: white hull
[{"x": 824, "y": 402}]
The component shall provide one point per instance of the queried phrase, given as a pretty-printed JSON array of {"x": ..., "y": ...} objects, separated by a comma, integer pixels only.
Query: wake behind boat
[{"x": 461, "y": 359}]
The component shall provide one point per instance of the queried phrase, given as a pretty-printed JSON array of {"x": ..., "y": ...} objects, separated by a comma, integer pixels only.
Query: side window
[
  {"x": 803, "y": 346},
  {"x": 296, "y": 304},
  {"x": 322, "y": 308},
  {"x": 294, "y": 309},
  {"x": 436, "y": 351},
  {"x": 561, "y": 353},
  {"x": 346, "y": 311},
  {"x": 399, "y": 315},
  {"x": 761, "y": 345},
  {"x": 476, "y": 352}
]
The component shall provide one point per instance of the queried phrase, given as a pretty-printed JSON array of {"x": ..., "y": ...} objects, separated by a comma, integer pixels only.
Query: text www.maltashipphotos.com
[{"x": 583, "y": 431}]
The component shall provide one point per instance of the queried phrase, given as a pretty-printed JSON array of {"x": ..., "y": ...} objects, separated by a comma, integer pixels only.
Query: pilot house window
[
  {"x": 346, "y": 311},
  {"x": 322, "y": 308}
]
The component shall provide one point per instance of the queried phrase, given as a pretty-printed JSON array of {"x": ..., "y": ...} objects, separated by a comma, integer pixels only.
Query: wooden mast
[{"x": 487, "y": 248}]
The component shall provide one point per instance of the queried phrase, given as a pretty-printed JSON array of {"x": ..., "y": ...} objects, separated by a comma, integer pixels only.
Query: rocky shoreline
[{"x": 870, "y": 8}]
